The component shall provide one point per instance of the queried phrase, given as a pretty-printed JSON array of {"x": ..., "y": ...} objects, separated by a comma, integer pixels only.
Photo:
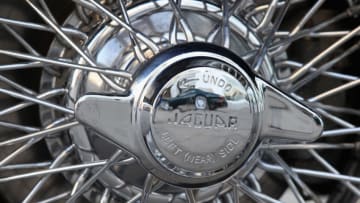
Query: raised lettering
[
  {"x": 198, "y": 159},
  {"x": 219, "y": 122},
  {"x": 204, "y": 120},
  {"x": 217, "y": 81},
  {"x": 186, "y": 120},
  {"x": 198, "y": 120}
]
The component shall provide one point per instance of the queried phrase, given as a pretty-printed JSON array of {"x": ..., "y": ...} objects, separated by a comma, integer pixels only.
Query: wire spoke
[
  {"x": 337, "y": 33},
  {"x": 173, "y": 30},
  {"x": 264, "y": 7},
  {"x": 23, "y": 128},
  {"x": 302, "y": 23},
  {"x": 190, "y": 195},
  {"x": 258, "y": 61},
  {"x": 16, "y": 85},
  {"x": 85, "y": 4},
  {"x": 135, "y": 198},
  {"x": 37, "y": 101},
  {"x": 69, "y": 31},
  {"x": 53, "y": 171},
  {"x": 105, "y": 198},
  {"x": 324, "y": 67},
  {"x": 26, "y": 45},
  {"x": 326, "y": 146},
  {"x": 63, "y": 63},
  {"x": 297, "y": 65},
  {"x": 152, "y": 45},
  {"x": 328, "y": 115},
  {"x": 236, "y": 195},
  {"x": 181, "y": 20},
  {"x": 306, "y": 32},
  {"x": 149, "y": 183},
  {"x": 16, "y": 66},
  {"x": 336, "y": 109},
  {"x": 46, "y": 95},
  {"x": 94, "y": 177},
  {"x": 25, "y": 166},
  {"x": 330, "y": 168},
  {"x": 57, "y": 162},
  {"x": 254, "y": 182},
  {"x": 268, "y": 16},
  {"x": 21, "y": 40},
  {"x": 55, "y": 198},
  {"x": 225, "y": 27},
  {"x": 256, "y": 196},
  {"x": 215, "y": 31},
  {"x": 288, "y": 170},
  {"x": 41, "y": 133},
  {"x": 320, "y": 57},
  {"x": 18, "y": 151},
  {"x": 336, "y": 90},
  {"x": 335, "y": 119},
  {"x": 47, "y": 10},
  {"x": 340, "y": 132},
  {"x": 135, "y": 43},
  {"x": 293, "y": 188},
  {"x": 311, "y": 173},
  {"x": 80, "y": 181},
  {"x": 67, "y": 39},
  {"x": 30, "y": 143}
]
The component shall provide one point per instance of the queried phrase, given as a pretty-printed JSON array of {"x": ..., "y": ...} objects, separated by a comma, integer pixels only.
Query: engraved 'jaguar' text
[{"x": 204, "y": 120}]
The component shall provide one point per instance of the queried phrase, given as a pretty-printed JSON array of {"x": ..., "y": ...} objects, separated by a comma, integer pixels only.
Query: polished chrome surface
[
  {"x": 285, "y": 117},
  {"x": 112, "y": 50},
  {"x": 127, "y": 115},
  {"x": 197, "y": 146},
  {"x": 202, "y": 120}
]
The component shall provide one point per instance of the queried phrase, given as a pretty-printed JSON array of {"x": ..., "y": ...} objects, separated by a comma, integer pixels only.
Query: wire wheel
[{"x": 179, "y": 101}]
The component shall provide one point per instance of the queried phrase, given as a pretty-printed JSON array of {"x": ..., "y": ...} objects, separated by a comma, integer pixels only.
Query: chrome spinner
[{"x": 195, "y": 115}]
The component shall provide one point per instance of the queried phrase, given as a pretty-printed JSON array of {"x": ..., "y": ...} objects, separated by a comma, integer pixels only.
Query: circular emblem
[{"x": 202, "y": 120}]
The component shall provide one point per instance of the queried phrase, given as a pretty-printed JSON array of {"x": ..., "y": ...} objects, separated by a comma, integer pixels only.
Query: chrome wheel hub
[
  {"x": 202, "y": 121},
  {"x": 195, "y": 115},
  {"x": 173, "y": 101}
]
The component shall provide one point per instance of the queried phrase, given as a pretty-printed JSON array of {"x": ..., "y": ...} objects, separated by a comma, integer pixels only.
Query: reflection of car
[{"x": 199, "y": 98}]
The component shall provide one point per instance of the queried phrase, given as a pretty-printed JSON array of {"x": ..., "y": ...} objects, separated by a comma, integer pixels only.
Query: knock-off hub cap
[
  {"x": 195, "y": 115},
  {"x": 202, "y": 120}
]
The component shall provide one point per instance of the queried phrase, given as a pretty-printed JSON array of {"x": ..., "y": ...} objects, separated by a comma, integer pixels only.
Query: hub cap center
[{"x": 202, "y": 120}]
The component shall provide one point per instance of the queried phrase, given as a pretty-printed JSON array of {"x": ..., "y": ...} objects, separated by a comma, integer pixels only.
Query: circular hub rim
[
  {"x": 163, "y": 72},
  {"x": 195, "y": 123}
]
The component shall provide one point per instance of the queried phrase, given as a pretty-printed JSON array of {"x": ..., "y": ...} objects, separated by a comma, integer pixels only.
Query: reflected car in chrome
[{"x": 201, "y": 99}]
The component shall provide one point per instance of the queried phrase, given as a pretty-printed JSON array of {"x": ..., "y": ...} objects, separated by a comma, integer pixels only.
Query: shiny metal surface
[
  {"x": 111, "y": 49},
  {"x": 202, "y": 120},
  {"x": 132, "y": 111},
  {"x": 286, "y": 118},
  {"x": 198, "y": 112}
]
